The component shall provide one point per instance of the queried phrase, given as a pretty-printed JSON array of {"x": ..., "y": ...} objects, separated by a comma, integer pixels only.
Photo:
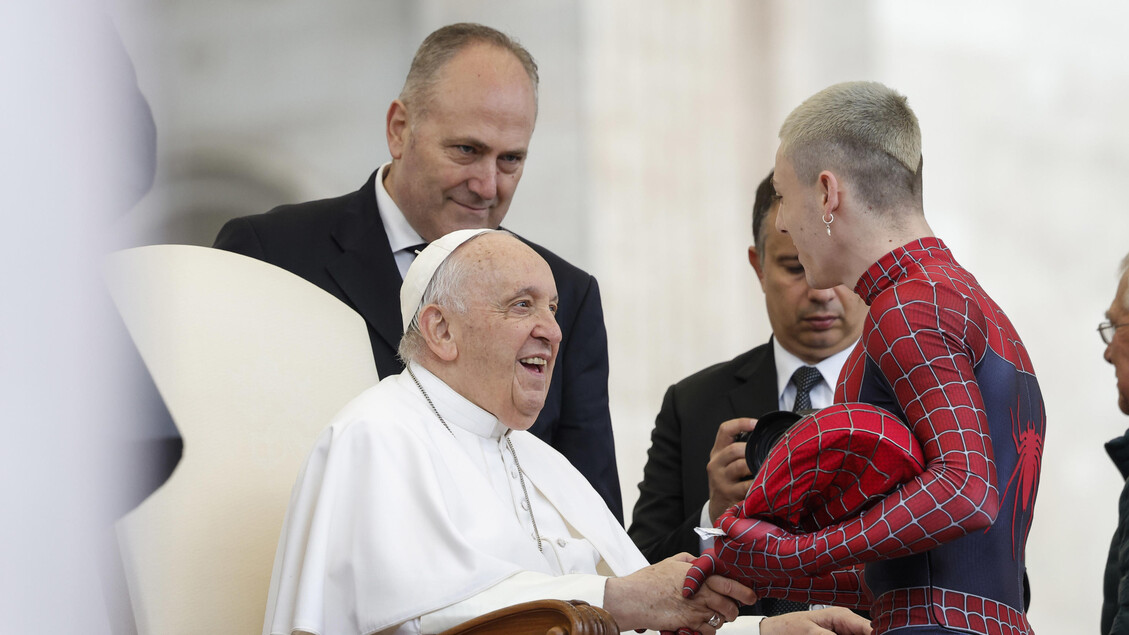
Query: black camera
[{"x": 771, "y": 427}]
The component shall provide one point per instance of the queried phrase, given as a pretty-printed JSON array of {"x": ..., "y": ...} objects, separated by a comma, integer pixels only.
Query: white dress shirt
[
  {"x": 401, "y": 236},
  {"x": 823, "y": 394}
]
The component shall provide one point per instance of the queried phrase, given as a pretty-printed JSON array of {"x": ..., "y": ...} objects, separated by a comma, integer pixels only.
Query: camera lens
[{"x": 769, "y": 430}]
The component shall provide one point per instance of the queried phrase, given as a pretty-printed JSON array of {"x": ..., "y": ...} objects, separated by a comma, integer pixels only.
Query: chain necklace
[
  {"x": 509, "y": 444},
  {"x": 428, "y": 398},
  {"x": 524, "y": 492}
]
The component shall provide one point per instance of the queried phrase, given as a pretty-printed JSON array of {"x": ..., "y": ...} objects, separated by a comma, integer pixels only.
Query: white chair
[{"x": 252, "y": 362}]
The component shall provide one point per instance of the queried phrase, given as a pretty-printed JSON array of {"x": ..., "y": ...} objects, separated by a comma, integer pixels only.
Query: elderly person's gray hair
[
  {"x": 446, "y": 289},
  {"x": 1123, "y": 271}
]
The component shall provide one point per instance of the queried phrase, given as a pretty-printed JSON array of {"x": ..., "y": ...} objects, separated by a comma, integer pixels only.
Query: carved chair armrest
[{"x": 541, "y": 617}]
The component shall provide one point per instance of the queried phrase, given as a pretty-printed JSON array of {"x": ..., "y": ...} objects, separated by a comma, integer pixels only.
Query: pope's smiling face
[{"x": 507, "y": 338}]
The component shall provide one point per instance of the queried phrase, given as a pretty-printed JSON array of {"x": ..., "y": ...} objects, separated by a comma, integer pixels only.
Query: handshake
[{"x": 650, "y": 598}]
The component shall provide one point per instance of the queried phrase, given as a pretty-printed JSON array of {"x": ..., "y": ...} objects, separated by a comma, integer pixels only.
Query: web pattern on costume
[
  {"x": 830, "y": 466},
  {"x": 827, "y": 468},
  {"x": 934, "y": 344}
]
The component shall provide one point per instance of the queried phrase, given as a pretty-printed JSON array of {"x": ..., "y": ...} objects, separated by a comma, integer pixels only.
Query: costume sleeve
[
  {"x": 845, "y": 587},
  {"x": 584, "y": 432},
  {"x": 659, "y": 525},
  {"x": 925, "y": 340},
  {"x": 525, "y": 586}
]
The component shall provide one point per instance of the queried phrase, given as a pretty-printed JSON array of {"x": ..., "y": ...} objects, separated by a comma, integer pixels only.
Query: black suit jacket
[
  {"x": 340, "y": 245},
  {"x": 675, "y": 484}
]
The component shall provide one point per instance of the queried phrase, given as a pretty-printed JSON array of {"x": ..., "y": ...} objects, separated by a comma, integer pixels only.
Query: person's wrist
[
  {"x": 716, "y": 510},
  {"x": 614, "y": 602}
]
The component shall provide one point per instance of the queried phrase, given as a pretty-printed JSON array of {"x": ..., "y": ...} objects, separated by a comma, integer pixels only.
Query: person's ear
[
  {"x": 436, "y": 331},
  {"x": 397, "y": 128},
  {"x": 755, "y": 261},
  {"x": 829, "y": 189}
]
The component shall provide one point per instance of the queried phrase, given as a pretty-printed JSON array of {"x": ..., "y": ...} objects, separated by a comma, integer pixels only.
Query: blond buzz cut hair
[{"x": 864, "y": 130}]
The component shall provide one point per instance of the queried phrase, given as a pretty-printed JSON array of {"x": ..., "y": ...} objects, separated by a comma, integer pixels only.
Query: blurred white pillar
[{"x": 675, "y": 98}]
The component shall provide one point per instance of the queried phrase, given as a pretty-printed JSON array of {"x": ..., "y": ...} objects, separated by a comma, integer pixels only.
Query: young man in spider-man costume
[{"x": 945, "y": 551}]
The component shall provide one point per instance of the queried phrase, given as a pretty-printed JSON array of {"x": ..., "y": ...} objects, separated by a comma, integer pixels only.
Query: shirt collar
[
  {"x": 458, "y": 411},
  {"x": 400, "y": 232},
  {"x": 787, "y": 363}
]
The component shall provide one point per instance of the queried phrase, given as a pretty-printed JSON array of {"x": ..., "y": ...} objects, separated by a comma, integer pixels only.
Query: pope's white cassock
[{"x": 398, "y": 524}]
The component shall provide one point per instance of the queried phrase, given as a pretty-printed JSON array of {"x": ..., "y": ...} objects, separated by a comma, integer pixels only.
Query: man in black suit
[
  {"x": 458, "y": 136},
  {"x": 695, "y": 469}
]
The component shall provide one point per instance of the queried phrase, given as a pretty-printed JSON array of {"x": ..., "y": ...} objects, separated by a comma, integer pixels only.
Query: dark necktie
[
  {"x": 415, "y": 249},
  {"x": 805, "y": 378}
]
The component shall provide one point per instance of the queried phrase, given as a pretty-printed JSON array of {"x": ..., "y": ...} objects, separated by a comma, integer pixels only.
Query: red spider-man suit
[{"x": 944, "y": 552}]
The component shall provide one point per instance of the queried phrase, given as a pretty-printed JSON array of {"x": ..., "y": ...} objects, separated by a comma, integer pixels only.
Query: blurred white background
[{"x": 658, "y": 118}]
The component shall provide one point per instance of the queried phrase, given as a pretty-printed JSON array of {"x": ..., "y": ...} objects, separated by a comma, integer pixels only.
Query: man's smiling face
[{"x": 458, "y": 156}]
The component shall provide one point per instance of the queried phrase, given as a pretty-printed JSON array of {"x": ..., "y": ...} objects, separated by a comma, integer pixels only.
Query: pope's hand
[{"x": 650, "y": 598}]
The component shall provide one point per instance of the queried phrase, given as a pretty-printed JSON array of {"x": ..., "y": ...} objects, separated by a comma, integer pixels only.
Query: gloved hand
[{"x": 747, "y": 553}]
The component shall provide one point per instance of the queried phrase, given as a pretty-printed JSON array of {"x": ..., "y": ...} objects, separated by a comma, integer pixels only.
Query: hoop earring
[{"x": 828, "y": 221}]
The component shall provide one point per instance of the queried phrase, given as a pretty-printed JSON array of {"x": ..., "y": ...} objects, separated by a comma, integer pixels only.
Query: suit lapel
[
  {"x": 757, "y": 390},
  {"x": 366, "y": 270}
]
